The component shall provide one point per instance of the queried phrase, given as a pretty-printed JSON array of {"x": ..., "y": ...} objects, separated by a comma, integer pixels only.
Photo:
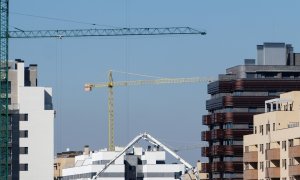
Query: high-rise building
[
  {"x": 236, "y": 97},
  {"x": 31, "y": 115},
  {"x": 273, "y": 150}
]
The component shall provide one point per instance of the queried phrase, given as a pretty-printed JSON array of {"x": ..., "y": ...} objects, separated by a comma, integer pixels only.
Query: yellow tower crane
[{"x": 110, "y": 84}]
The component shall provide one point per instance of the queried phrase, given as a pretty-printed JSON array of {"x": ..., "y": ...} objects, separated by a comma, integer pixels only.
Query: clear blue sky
[{"x": 172, "y": 113}]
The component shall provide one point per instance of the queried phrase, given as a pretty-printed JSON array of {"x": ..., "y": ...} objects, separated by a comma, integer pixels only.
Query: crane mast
[{"x": 4, "y": 153}]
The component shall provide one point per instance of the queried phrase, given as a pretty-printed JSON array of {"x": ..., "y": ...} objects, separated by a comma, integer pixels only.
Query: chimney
[{"x": 86, "y": 150}]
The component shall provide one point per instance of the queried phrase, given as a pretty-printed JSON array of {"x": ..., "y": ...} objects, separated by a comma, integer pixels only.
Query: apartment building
[
  {"x": 31, "y": 114},
  {"x": 236, "y": 97},
  {"x": 273, "y": 150}
]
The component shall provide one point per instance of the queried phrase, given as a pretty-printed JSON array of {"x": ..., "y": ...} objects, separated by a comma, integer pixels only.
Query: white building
[
  {"x": 32, "y": 124},
  {"x": 139, "y": 164}
]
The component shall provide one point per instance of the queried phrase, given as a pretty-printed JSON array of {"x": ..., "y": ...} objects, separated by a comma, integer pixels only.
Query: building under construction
[{"x": 236, "y": 97}]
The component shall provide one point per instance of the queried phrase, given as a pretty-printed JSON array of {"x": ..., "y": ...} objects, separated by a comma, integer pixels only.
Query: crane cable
[{"x": 63, "y": 20}]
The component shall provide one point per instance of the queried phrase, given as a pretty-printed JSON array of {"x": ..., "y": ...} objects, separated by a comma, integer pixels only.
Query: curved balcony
[
  {"x": 206, "y": 168},
  {"x": 232, "y": 150},
  {"x": 237, "y": 101},
  {"x": 227, "y": 167},
  {"x": 217, "y": 134},
  {"x": 207, "y": 120},
  {"x": 246, "y": 101},
  {"x": 263, "y": 85},
  {"x": 205, "y": 135},
  {"x": 236, "y": 117},
  {"x": 236, "y": 134},
  {"x": 206, "y": 151}
]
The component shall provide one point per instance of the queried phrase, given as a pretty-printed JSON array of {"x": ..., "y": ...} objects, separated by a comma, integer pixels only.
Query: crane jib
[{"x": 101, "y": 32}]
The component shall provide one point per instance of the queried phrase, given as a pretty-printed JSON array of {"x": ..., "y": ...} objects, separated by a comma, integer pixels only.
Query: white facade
[
  {"x": 36, "y": 102},
  {"x": 147, "y": 165}
]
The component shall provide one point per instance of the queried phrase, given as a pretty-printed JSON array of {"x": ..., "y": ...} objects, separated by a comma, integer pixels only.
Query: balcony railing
[
  {"x": 294, "y": 170},
  {"x": 206, "y": 120},
  {"x": 206, "y": 168},
  {"x": 206, "y": 151},
  {"x": 250, "y": 174},
  {"x": 273, "y": 154},
  {"x": 273, "y": 172},
  {"x": 294, "y": 151},
  {"x": 229, "y": 150},
  {"x": 205, "y": 136},
  {"x": 227, "y": 167},
  {"x": 250, "y": 156}
]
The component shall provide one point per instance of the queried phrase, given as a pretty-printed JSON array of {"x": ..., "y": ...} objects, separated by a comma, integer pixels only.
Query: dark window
[
  {"x": 267, "y": 128},
  {"x": 284, "y": 145},
  {"x": 4, "y": 88},
  {"x": 24, "y": 134},
  {"x": 3, "y": 101},
  {"x": 273, "y": 126},
  {"x": 284, "y": 163},
  {"x": 268, "y": 146},
  {"x": 246, "y": 149},
  {"x": 23, "y": 150},
  {"x": 250, "y": 126},
  {"x": 23, "y": 167},
  {"x": 291, "y": 142},
  {"x": 160, "y": 162},
  {"x": 24, "y": 117}
]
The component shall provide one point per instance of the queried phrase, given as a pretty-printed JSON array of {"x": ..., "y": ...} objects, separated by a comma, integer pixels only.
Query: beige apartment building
[{"x": 273, "y": 150}]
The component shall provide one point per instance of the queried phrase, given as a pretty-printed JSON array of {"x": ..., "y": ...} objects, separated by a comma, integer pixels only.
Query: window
[
  {"x": 284, "y": 163},
  {"x": 268, "y": 146},
  {"x": 23, "y": 134},
  {"x": 284, "y": 145},
  {"x": 23, "y": 150},
  {"x": 3, "y": 83},
  {"x": 261, "y": 148},
  {"x": 273, "y": 126},
  {"x": 291, "y": 163},
  {"x": 261, "y": 129},
  {"x": 3, "y": 100},
  {"x": 255, "y": 130},
  {"x": 23, "y": 167},
  {"x": 246, "y": 148},
  {"x": 267, "y": 128},
  {"x": 267, "y": 164},
  {"x": 23, "y": 117},
  {"x": 291, "y": 142}
]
